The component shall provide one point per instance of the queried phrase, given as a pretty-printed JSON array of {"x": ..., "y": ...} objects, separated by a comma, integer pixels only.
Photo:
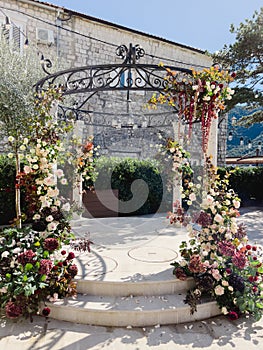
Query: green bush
[
  {"x": 115, "y": 173},
  {"x": 7, "y": 190},
  {"x": 247, "y": 182}
]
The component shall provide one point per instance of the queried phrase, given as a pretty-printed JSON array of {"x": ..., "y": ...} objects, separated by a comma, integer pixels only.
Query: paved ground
[{"x": 216, "y": 333}]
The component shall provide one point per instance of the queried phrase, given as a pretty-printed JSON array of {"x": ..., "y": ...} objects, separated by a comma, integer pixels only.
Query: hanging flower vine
[{"x": 199, "y": 97}]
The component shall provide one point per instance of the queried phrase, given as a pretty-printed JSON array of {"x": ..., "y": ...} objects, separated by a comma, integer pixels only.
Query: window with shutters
[{"x": 13, "y": 34}]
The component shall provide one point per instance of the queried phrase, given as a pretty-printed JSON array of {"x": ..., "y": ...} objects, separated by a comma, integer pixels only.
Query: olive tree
[
  {"x": 18, "y": 73},
  {"x": 245, "y": 56}
]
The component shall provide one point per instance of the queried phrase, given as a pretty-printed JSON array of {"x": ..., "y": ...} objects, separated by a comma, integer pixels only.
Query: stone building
[{"x": 71, "y": 39}]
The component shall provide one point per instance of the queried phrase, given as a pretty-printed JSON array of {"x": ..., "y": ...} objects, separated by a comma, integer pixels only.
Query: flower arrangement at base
[
  {"x": 218, "y": 256},
  {"x": 33, "y": 266},
  {"x": 33, "y": 269}
]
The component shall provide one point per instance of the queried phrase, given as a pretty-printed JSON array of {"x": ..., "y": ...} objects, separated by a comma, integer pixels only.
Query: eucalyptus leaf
[{"x": 28, "y": 267}]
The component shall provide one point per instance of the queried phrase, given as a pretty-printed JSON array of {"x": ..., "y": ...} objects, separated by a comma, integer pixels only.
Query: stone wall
[
  {"x": 83, "y": 40},
  {"x": 74, "y": 40}
]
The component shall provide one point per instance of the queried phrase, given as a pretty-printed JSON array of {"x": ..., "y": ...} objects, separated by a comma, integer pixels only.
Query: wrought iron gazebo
[
  {"x": 88, "y": 91},
  {"x": 127, "y": 76},
  {"x": 111, "y": 100}
]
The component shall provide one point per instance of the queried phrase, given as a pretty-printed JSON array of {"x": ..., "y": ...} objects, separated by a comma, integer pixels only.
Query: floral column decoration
[
  {"x": 225, "y": 267},
  {"x": 35, "y": 264}
]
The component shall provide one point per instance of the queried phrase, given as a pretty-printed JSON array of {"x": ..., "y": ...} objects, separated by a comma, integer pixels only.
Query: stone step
[
  {"x": 130, "y": 311},
  {"x": 120, "y": 288}
]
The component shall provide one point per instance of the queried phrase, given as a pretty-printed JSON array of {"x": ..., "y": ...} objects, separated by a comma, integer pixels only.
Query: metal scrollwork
[
  {"x": 45, "y": 63},
  {"x": 131, "y": 54},
  {"x": 122, "y": 51},
  {"x": 128, "y": 76},
  {"x": 139, "y": 52}
]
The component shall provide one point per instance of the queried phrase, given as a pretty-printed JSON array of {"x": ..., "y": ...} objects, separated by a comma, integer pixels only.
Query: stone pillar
[
  {"x": 178, "y": 129},
  {"x": 212, "y": 141}
]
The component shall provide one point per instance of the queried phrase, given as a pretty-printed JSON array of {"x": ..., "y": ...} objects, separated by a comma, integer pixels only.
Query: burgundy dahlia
[
  {"x": 240, "y": 260},
  {"x": 226, "y": 248},
  {"x": 204, "y": 219},
  {"x": 73, "y": 270},
  {"x": 45, "y": 266},
  {"x": 51, "y": 244},
  {"x": 180, "y": 273},
  {"x": 46, "y": 311},
  {"x": 70, "y": 256},
  {"x": 13, "y": 310},
  {"x": 26, "y": 257},
  {"x": 232, "y": 315}
]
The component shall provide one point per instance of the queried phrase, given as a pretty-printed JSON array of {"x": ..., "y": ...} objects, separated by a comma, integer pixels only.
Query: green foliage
[
  {"x": 245, "y": 57},
  {"x": 247, "y": 182},
  {"x": 7, "y": 191},
  {"x": 32, "y": 268},
  {"x": 18, "y": 75},
  {"x": 115, "y": 173}
]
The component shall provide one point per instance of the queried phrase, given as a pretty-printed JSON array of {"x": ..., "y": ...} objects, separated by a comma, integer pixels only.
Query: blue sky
[{"x": 201, "y": 24}]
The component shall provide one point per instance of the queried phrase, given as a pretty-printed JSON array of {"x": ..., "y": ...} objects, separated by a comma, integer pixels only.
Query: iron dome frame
[{"x": 128, "y": 76}]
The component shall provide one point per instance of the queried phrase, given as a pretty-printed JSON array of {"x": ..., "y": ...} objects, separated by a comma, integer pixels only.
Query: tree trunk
[{"x": 18, "y": 193}]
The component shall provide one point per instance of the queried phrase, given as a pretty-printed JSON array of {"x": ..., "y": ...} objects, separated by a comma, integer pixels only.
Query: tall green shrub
[
  {"x": 247, "y": 182},
  {"x": 7, "y": 190},
  {"x": 115, "y": 173}
]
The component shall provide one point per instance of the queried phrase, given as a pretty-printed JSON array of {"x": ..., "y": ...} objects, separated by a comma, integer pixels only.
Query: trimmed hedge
[
  {"x": 115, "y": 173},
  {"x": 119, "y": 174},
  {"x": 247, "y": 182},
  {"x": 7, "y": 190}
]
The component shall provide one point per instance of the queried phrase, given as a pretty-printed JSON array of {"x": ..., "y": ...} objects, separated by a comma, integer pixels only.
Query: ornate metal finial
[
  {"x": 131, "y": 54},
  {"x": 45, "y": 63},
  {"x": 122, "y": 51}
]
